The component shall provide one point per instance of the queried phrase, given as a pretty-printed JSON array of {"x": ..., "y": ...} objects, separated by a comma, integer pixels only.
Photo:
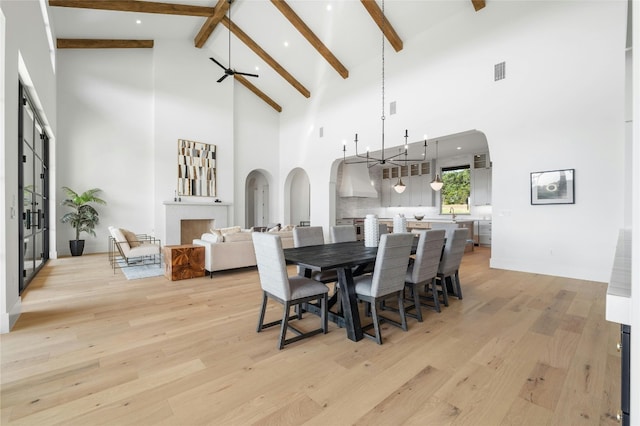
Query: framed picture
[
  {"x": 553, "y": 187},
  {"x": 196, "y": 168}
]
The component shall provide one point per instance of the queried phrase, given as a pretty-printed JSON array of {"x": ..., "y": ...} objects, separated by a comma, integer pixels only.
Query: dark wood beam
[
  {"x": 93, "y": 43},
  {"x": 210, "y": 24},
  {"x": 242, "y": 36},
  {"x": 376, "y": 13},
  {"x": 137, "y": 6},
  {"x": 478, "y": 4},
  {"x": 242, "y": 80},
  {"x": 299, "y": 24}
]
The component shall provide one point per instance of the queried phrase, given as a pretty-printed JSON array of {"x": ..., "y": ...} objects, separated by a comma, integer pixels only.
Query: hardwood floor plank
[{"x": 93, "y": 348}]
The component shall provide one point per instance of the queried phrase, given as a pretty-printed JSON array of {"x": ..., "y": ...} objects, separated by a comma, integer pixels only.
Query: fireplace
[{"x": 193, "y": 218}]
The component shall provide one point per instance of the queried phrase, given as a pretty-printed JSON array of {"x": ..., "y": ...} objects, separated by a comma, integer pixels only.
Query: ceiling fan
[{"x": 230, "y": 71}]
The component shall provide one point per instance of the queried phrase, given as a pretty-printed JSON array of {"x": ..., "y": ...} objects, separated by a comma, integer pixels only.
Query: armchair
[{"x": 129, "y": 249}]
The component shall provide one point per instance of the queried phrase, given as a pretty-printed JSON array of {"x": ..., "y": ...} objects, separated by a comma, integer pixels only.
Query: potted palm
[{"x": 84, "y": 216}]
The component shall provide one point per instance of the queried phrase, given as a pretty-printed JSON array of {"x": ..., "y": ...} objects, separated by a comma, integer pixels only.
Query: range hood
[{"x": 356, "y": 181}]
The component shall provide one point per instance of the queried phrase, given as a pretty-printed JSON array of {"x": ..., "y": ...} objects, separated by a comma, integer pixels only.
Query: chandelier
[{"x": 396, "y": 159}]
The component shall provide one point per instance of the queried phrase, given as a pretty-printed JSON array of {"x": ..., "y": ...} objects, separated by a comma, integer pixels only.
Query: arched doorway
[
  {"x": 257, "y": 199},
  {"x": 298, "y": 198}
]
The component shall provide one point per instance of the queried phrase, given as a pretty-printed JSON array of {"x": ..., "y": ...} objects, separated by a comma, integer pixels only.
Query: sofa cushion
[
  {"x": 237, "y": 236},
  {"x": 130, "y": 237}
]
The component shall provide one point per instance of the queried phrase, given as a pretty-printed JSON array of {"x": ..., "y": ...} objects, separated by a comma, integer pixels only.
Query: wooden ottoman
[{"x": 183, "y": 261}]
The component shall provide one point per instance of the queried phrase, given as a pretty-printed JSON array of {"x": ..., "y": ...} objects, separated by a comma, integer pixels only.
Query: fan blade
[
  {"x": 247, "y": 74},
  {"x": 219, "y": 64},
  {"x": 222, "y": 78}
]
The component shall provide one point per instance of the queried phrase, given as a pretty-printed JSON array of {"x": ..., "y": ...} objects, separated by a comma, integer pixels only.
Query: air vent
[
  {"x": 321, "y": 131},
  {"x": 392, "y": 108},
  {"x": 499, "y": 71}
]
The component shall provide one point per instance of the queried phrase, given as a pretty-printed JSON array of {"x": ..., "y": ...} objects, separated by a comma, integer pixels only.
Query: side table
[{"x": 183, "y": 261}]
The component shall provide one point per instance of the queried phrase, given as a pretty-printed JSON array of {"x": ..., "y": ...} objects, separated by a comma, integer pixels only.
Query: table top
[{"x": 335, "y": 255}]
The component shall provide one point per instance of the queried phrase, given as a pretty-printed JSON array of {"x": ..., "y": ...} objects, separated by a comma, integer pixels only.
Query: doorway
[
  {"x": 33, "y": 184},
  {"x": 257, "y": 202}
]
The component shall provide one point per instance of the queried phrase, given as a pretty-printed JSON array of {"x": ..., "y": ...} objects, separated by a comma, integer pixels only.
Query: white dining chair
[
  {"x": 343, "y": 233},
  {"x": 287, "y": 290},
  {"x": 386, "y": 281},
  {"x": 422, "y": 273},
  {"x": 448, "y": 270}
]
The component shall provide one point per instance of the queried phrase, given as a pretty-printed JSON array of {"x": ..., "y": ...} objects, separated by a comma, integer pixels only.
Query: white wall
[
  {"x": 561, "y": 106},
  {"x": 23, "y": 35},
  {"x": 122, "y": 112},
  {"x": 105, "y": 109}
]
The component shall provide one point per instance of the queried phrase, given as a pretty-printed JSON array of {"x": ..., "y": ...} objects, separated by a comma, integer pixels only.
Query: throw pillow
[
  {"x": 212, "y": 238},
  {"x": 287, "y": 228},
  {"x": 230, "y": 230},
  {"x": 275, "y": 229},
  {"x": 131, "y": 238}
]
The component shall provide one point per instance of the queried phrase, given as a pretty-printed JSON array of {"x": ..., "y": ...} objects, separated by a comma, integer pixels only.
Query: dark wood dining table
[{"x": 344, "y": 258}]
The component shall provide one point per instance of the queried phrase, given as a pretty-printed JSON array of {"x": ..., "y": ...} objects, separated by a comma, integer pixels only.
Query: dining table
[{"x": 347, "y": 259}]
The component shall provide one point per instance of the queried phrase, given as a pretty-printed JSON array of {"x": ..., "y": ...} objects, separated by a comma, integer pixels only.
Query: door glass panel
[
  {"x": 27, "y": 216},
  {"x": 28, "y": 256},
  {"x": 39, "y": 248},
  {"x": 27, "y": 128},
  {"x": 38, "y": 141},
  {"x": 38, "y": 170}
]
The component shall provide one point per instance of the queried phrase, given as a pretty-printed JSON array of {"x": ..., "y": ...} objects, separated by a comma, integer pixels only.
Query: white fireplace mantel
[{"x": 175, "y": 212}]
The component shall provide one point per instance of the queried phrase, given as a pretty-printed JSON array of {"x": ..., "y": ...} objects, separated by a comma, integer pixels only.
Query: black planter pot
[{"x": 76, "y": 247}]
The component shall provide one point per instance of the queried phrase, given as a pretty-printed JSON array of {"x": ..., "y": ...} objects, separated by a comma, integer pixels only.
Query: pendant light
[
  {"x": 399, "y": 187},
  {"x": 437, "y": 183}
]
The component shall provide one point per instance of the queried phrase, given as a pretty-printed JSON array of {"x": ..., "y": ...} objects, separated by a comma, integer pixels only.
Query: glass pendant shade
[
  {"x": 399, "y": 187},
  {"x": 436, "y": 184}
]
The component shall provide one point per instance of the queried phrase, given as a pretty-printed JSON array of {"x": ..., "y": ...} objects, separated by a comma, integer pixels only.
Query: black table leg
[{"x": 349, "y": 304}]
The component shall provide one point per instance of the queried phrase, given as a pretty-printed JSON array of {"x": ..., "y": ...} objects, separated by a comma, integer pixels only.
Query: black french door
[{"x": 33, "y": 179}]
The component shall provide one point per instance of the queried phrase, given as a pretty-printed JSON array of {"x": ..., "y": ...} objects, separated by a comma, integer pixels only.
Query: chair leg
[
  {"x": 416, "y": 302},
  {"x": 434, "y": 292},
  {"x": 403, "y": 316},
  {"x": 262, "y": 311},
  {"x": 285, "y": 324},
  {"x": 376, "y": 321},
  {"x": 456, "y": 280},
  {"x": 324, "y": 314}
]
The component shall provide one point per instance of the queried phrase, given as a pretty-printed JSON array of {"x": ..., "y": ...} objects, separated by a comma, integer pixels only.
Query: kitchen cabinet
[
  {"x": 481, "y": 188},
  {"x": 484, "y": 233},
  {"x": 416, "y": 177}
]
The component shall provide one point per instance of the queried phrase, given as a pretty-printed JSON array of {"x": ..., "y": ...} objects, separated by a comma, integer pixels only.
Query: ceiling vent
[{"x": 499, "y": 71}]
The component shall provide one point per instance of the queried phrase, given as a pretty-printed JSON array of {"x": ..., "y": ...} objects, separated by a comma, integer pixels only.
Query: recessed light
[
  {"x": 257, "y": 68},
  {"x": 329, "y": 7},
  {"x": 138, "y": 21},
  {"x": 286, "y": 44},
  {"x": 459, "y": 148}
]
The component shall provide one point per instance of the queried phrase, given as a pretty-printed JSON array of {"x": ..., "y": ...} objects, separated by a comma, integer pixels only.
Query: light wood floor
[{"x": 92, "y": 348}]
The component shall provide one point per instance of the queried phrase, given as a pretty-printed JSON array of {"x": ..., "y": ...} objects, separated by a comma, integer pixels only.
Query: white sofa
[{"x": 229, "y": 250}]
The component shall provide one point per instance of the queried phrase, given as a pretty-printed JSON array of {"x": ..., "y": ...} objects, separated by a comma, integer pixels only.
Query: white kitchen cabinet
[
  {"x": 481, "y": 189},
  {"x": 484, "y": 233}
]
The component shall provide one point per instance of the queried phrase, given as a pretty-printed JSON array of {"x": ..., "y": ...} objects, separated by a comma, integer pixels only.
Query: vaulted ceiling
[{"x": 291, "y": 44}]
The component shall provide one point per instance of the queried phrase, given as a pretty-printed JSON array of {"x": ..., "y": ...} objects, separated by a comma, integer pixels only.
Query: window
[{"x": 454, "y": 195}]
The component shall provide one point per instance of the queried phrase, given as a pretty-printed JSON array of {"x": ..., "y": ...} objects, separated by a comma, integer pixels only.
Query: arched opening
[
  {"x": 257, "y": 199},
  {"x": 298, "y": 197}
]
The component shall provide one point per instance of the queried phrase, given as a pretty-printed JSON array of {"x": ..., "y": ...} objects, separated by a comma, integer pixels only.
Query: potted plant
[{"x": 84, "y": 216}]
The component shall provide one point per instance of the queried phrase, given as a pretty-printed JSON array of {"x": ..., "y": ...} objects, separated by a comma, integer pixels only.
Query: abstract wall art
[{"x": 196, "y": 168}]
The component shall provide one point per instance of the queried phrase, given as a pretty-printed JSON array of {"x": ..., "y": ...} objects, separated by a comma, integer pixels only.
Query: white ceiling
[{"x": 347, "y": 30}]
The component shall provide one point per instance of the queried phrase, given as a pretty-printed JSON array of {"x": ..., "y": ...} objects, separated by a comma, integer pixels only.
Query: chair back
[
  {"x": 448, "y": 227},
  {"x": 343, "y": 233},
  {"x": 382, "y": 229},
  {"x": 391, "y": 263},
  {"x": 453, "y": 251},
  {"x": 428, "y": 255},
  {"x": 272, "y": 267},
  {"x": 307, "y": 236}
]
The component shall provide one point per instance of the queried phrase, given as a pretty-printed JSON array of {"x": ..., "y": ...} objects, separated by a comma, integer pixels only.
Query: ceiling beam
[
  {"x": 210, "y": 24},
  {"x": 242, "y": 36},
  {"x": 299, "y": 24},
  {"x": 137, "y": 6},
  {"x": 86, "y": 43},
  {"x": 376, "y": 13},
  {"x": 241, "y": 79},
  {"x": 478, "y": 4}
]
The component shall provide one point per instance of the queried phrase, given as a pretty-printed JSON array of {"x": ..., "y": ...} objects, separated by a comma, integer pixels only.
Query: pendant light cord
[{"x": 382, "y": 117}]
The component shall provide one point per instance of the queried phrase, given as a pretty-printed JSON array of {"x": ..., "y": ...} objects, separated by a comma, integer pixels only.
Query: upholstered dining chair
[
  {"x": 312, "y": 236},
  {"x": 343, "y": 233},
  {"x": 289, "y": 291},
  {"x": 424, "y": 270},
  {"x": 386, "y": 281},
  {"x": 450, "y": 262}
]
